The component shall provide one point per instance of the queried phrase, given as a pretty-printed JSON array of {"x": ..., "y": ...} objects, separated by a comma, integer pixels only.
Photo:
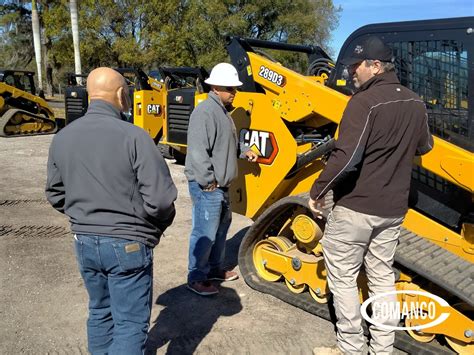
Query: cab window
[
  {"x": 438, "y": 72},
  {"x": 25, "y": 83}
]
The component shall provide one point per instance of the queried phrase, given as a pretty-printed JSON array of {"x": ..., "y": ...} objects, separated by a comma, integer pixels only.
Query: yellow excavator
[
  {"x": 22, "y": 112},
  {"x": 291, "y": 120}
]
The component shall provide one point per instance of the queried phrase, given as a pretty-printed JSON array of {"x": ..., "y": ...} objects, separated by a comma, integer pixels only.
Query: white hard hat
[{"x": 224, "y": 74}]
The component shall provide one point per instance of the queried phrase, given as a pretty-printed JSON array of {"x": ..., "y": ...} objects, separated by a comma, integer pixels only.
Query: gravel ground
[{"x": 43, "y": 303}]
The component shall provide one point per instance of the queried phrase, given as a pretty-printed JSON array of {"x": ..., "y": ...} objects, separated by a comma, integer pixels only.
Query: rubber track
[
  {"x": 33, "y": 231},
  {"x": 437, "y": 265},
  {"x": 11, "y": 112},
  {"x": 8, "y": 203},
  {"x": 304, "y": 301}
]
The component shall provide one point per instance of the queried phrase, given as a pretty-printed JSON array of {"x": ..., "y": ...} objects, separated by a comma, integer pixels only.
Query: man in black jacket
[
  {"x": 383, "y": 127},
  {"x": 109, "y": 178}
]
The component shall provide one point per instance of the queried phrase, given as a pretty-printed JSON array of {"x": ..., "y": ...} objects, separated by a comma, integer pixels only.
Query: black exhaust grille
[
  {"x": 76, "y": 103},
  {"x": 179, "y": 117},
  {"x": 180, "y": 107}
]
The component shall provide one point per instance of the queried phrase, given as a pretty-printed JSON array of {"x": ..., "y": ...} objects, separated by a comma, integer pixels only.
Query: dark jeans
[
  {"x": 118, "y": 276},
  {"x": 211, "y": 221}
]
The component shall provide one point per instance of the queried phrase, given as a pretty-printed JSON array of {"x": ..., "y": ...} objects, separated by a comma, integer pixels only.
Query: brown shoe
[
  {"x": 203, "y": 288},
  {"x": 223, "y": 275}
]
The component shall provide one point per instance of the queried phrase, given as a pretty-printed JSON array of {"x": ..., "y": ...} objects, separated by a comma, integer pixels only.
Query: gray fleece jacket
[
  {"x": 212, "y": 144},
  {"x": 110, "y": 179}
]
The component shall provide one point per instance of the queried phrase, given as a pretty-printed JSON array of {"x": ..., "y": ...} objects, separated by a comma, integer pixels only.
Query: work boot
[
  {"x": 223, "y": 275},
  {"x": 203, "y": 288},
  {"x": 324, "y": 350}
]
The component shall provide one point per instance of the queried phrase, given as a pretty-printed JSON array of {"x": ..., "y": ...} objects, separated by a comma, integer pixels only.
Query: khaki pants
[{"x": 351, "y": 238}]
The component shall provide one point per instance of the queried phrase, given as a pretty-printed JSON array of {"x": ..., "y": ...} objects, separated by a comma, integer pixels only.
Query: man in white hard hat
[{"x": 211, "y": 165}]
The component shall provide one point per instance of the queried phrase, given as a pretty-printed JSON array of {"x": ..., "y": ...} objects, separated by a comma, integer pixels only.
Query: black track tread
[
  {"x": 8, "y": 203},
  {"x": 304, "y": 301},
  {"x": 33, "y": 231},
  {"x": 437, "y": 265}
]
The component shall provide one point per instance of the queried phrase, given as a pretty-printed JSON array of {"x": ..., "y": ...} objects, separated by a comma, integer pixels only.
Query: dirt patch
[{"x": 44, "y": 303}]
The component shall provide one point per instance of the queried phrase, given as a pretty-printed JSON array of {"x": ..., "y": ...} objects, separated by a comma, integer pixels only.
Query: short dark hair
[{"x": 386, "y": 66}]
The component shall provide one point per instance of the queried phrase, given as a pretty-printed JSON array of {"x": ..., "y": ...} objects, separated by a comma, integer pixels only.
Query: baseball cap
[{"x": 371, "y": 47}]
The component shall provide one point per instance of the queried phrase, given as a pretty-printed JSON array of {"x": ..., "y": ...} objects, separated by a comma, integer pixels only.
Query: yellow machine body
[
  {"x": 22, "y": 113},
  {"x": 281, "y": 247},
  {"x": 149, "y": 108}
]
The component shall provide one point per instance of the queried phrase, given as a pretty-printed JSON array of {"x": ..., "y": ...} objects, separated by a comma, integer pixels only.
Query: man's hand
[
  {"x": 316, "y": 206},
  {"x": 211, "y": 187},
  {"x": 251, "y": 156}
]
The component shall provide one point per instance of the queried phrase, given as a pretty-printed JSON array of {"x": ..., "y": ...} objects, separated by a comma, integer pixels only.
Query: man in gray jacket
[
  {"x": 211, "y": 165},
  {"x": 109, "y": 178}
]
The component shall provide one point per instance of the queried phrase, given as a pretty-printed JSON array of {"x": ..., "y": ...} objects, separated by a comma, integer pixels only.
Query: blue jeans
[
  {"x": 118, "y": 276},
  {"x": 211, "y": 221}
]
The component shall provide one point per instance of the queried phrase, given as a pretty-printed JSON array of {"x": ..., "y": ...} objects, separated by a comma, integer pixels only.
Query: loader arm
[
  {"x": 290, "y": 120},
  {"x": 298, "y": 100}
]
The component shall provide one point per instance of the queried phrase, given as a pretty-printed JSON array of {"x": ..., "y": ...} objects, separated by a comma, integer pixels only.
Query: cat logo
[
  {"x": 153, "y": 109},
  {"x": 262, "y": 143},
  {"x": 156, "y": 85}
]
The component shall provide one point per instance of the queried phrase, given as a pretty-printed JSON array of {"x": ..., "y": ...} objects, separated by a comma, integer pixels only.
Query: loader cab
[
  {"x": 137, "y": 81},
  {"x": 178, "y": 77},
  {"x": 183, "y": 85},
  {"x": 435, "y": 59},
  {"x": 21, "y": 79},
  {"x": 77, "y": 99}
]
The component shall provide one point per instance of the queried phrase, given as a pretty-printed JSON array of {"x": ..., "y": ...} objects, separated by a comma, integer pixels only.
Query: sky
[{"x": 357, "y": 13}]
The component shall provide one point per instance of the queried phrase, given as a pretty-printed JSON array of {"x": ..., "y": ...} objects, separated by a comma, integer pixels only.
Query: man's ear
[
  {"x": 123, "y": 99},
  {"x": 377, "y": 67},
  {"x": 119, "y": 97}
]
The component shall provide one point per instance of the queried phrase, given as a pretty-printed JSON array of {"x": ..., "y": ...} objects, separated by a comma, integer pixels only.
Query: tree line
[{"x": 152, "y": 33}]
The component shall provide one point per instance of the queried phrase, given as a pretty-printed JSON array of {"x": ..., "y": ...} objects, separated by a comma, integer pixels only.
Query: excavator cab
[{"x": 291, "y": 120}]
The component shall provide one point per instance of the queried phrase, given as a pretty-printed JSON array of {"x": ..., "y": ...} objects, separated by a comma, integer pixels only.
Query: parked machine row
[{"x": 291, "y": 121}]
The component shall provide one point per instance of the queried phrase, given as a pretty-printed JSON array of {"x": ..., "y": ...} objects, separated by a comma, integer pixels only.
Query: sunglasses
[{"x": 230, "y": 88}]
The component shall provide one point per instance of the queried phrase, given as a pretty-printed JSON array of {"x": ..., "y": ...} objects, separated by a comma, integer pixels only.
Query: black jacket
[
  {"x": 383, "y": 127},
  {"x": 110, "y": 179}
]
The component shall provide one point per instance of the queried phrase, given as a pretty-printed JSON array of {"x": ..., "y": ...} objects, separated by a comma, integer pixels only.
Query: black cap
[{"x": 368, "y": 48}]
